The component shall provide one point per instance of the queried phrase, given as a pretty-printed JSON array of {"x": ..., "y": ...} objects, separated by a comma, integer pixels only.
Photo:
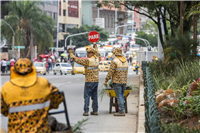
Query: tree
[
  {"x": 150, "y": 37},
  {"x": 194, "y": 12},
  {"x": 82, "y": 40},
  {"x": 28, "y": 22},
  {"x": 157, "y": 11}
]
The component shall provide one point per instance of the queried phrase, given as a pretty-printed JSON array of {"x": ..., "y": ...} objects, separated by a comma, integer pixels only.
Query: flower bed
[{"x": 178, "y": 95}]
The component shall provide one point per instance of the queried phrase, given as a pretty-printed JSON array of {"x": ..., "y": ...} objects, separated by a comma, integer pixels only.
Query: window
[
  {"x": 63, "y": 0},
  {"x": 108, "y": 22},
  {"x": 64, "y": 12},
  {"x": 63, "y": 27},
  {"x": 66, "y": 65},
  {"x": 55, "y": 16},
  {"x": 57, "y": 65}
]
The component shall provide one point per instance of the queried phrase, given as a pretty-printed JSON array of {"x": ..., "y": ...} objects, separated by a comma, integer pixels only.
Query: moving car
[
  {"x": 104, "y": 65},
  {"x": 78, "y": 69},
  {"x": 62, "y": 68},
  {"x": 40, "y": 67}
]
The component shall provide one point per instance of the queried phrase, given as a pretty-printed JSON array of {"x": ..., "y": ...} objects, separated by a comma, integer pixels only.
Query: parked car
[
  {"x": 40, "y": 67},
  {"x": 62, "y": 68},
  {"x": 78, "y": 69},
  {"x": 104, "y": 65}
]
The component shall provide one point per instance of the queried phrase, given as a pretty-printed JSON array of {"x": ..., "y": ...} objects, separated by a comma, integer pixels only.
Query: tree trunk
[
  {"x": 195, "y": 34},
  {"x": 172, "y": 27},
  {"x": 181, "y": 16},
  {"x": 160, "y": 32},
  {"x": 165, "y": 25}
]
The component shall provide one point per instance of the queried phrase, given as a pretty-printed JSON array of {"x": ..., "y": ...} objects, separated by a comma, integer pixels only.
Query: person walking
[
  {"x": 118, "y": 71},
  {"x": 26, "y": 99},
  {"x": 12, "y": 62},
  {"x": 91, "y": 77},
  {"x": 3, "y": 65},
  {"x": 137, "y": 66},
  {"x": 8, "y": 65},
  {"x": 50, "y": 64}
]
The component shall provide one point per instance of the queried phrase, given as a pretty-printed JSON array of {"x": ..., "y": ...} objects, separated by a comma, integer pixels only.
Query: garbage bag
[{"x": 57, "y": 127}]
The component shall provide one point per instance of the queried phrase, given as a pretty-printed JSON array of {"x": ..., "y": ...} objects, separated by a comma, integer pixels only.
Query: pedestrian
[
  {"x": 118, "y": 72},
  {"x": 72, "y": 62},
  {"x": 26, "y": 99},
  {"x": 91, "y": 77},
  {"x": 137, "y": 66},
  {"x": 8, "y": 65},
  {"x": 3, "y": 65},
  {"x": 12, "y": 62},
  {"x": 130, "y": 59},
  {"x": 49, "y": 64}
]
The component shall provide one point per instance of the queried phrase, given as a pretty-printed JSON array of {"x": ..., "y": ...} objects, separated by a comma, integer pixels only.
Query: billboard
[{"x": 73, "y": 9}]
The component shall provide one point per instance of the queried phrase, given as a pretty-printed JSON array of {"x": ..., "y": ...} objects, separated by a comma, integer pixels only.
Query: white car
[{"x": 62, "y": 68}]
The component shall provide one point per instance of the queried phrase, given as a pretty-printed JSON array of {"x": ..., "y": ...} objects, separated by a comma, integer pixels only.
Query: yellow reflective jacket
[{"x": 27, "y": 107}]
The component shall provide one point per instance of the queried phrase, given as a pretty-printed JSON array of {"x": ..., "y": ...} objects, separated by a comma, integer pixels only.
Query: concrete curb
[{"x": 141, "y": 109}]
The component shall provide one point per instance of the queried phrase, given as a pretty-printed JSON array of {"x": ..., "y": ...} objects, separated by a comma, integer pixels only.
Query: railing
[{"x": 152, "y": 115}]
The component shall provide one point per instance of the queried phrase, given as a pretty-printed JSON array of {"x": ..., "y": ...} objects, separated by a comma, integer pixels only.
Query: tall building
[
  {"x": 107, "y": 16},
  {"x": 69, "y": 16}
]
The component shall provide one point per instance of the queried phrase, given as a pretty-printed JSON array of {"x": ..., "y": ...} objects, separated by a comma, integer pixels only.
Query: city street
[{"x": 73, "y": 87}]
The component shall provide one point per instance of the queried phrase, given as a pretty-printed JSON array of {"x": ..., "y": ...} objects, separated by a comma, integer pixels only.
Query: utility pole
[
  {"x": 57, "y": 29},
  {"x": 115, "y": 19}
]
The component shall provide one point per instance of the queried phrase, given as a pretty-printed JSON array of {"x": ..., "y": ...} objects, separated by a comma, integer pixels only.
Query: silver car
[{"x": 62, "y": 68}]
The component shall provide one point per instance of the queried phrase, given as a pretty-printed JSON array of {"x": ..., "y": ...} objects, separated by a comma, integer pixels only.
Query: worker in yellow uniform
[
  {"x": 118, "y": 71},
  {"x": 26, "y": 99},
  {"x": 91, "y": 77}
]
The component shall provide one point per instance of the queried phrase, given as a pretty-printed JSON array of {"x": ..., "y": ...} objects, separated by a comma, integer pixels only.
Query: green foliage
[
  {"x": 179, "y": 75},
  {"x": 82, "y": 40},
  {"x": 77, "y": 128},
  {"x": 26, "y": 18},
  {"x": 150, "y": 37},
  {"x": 181, "y": 46},
  {"x": 177, "y": 128}
]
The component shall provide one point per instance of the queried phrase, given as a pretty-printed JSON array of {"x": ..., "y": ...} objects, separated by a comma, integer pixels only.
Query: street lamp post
[
  {"x": 13, "y": 37},
  {"x": 120, "y": 26},
  {"x": 73, "y": 35},
  {"x": 57, "y": 29}
]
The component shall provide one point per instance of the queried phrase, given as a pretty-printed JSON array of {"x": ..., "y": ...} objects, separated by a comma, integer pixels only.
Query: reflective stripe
[
  {"x": 121, "y": 68},
  {"x": 29, "y": 107},
  {"x": 92, "y": 67}
]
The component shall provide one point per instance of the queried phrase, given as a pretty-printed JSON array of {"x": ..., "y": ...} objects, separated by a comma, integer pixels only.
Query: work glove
[{"x": 70, "y": 50}]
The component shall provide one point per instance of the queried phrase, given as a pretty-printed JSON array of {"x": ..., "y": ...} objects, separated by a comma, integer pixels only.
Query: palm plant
[
  {"x": 28, "y": 22},
  {"x": 179, "y": 47}
]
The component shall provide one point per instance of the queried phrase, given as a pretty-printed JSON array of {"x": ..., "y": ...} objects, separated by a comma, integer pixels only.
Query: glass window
[
  {"x": 38, "y": 64},
  {"x": 64, "y": 12},
  {"x": 77, "y": 65},
  {"x": 100, "y": 63},
  {"x": 63, "y": 27},
  {"x": 64, "y": 1},
  {"x": 57, "y": 65},
  {"x": 65, "y": 65}
]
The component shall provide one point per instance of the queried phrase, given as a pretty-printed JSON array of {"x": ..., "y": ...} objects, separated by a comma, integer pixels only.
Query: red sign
[{"x": 93, "y": 36}]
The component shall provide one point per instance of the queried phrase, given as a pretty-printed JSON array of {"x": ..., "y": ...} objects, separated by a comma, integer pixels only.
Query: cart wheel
[{"x": 116, "y": 107}]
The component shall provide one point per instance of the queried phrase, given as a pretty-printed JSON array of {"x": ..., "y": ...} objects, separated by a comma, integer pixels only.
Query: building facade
[{"x": 70, "y": 16}]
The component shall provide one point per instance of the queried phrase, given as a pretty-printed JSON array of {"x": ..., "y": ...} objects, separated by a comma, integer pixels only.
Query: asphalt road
[{"x": 73, "y": 87}]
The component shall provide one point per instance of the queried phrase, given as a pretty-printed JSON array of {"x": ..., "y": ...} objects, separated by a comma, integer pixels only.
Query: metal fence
[{"x": 152, "y": 115}]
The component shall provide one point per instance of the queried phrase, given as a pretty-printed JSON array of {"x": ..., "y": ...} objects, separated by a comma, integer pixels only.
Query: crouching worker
[
  {"x": 26, "y": 99},
  {"x": 118, "y": 71},
  {"x": 91, "y": 78}
]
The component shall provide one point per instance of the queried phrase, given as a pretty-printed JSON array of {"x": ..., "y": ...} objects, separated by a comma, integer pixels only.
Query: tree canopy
[
  {"x": 153, "y": 39},
  {"x": 26, "y": 19},
  {"x": 82, "y": 40}
]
